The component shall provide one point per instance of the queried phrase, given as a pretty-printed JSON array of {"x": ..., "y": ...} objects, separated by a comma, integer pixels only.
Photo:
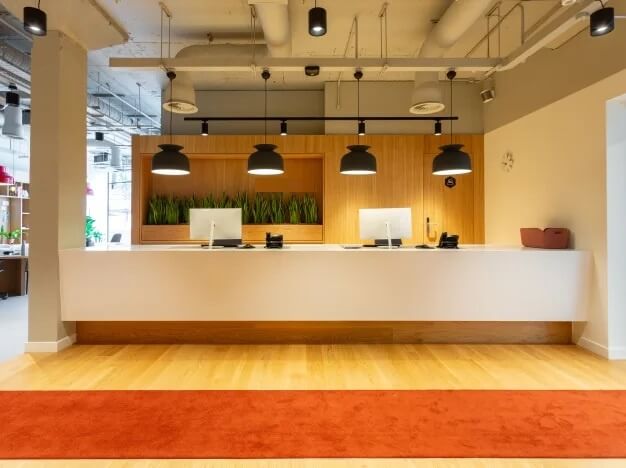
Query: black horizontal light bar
[{"x": 208, "y": 119}]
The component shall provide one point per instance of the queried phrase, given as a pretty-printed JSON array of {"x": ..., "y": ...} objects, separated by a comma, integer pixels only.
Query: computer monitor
[
  {"x": 221, "y": 225},
  {"x": 386, "y": 226}
]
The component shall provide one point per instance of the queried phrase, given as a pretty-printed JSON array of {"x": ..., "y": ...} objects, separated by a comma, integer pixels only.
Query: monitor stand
[
  {"x": 223, "y": 243},
  {"x": 388, "y": 242}
]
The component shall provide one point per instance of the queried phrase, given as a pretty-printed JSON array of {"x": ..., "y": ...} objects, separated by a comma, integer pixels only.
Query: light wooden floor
[{"x": 316, "y": 367}]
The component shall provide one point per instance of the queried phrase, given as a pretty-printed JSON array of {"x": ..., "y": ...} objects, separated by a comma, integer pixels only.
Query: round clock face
[{"x": 507, "y": 161}]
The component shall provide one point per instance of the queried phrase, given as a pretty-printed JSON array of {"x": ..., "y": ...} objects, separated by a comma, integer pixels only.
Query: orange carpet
[{"x": 310, "y": 424}]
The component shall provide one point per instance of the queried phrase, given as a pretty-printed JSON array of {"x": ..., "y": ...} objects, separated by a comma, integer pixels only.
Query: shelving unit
[
  {"x": 18, "y": 208},
  {"x": 218, "y": 173}
]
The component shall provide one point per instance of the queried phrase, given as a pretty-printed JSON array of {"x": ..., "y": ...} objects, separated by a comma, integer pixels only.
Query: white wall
[
  {"x": 559, "y": 179},
  {"x": 616, "y": 224},
  {"x": 392, "y": 98}
]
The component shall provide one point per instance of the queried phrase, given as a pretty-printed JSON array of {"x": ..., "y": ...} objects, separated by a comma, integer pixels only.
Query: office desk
[
  {"x": 13, "y": 277},
  {"x": 323, "y": 283}
]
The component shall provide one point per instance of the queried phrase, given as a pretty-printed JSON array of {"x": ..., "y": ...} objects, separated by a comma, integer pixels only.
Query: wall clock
[{"x": 507, "y": 161}]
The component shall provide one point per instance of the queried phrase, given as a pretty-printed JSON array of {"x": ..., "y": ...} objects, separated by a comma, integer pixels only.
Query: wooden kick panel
[{"x": 323, "y": 332}]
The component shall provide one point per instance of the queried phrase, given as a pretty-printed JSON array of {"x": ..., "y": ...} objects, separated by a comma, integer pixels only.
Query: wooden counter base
[{"x": 322, "y": 332}]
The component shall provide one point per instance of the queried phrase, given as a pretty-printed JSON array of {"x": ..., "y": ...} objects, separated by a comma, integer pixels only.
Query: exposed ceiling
[{"x": 408, "y": 23}]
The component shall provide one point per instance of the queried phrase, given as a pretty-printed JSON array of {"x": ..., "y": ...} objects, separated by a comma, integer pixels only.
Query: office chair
[{"x": 117, "y": 238}]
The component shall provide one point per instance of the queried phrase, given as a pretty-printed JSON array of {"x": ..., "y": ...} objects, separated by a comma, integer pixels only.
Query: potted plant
[
  {"x": 14, "y": 235},
  {"x": 4, "y": 235},
  {"x": 92, "y": 235}
]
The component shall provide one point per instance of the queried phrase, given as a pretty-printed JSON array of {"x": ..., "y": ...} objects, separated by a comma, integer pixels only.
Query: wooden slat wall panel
[
  {"x": 404, "y": 179},
  {"x": 398, "y": 183},
  {"x": 457, "y": 210}
]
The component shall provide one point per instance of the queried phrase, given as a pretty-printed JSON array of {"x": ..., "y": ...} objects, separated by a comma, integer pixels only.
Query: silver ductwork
[
  {"x": 427, "y": 96},
  {"x": 183, "y": 95},
  {"x": 274, "y": 18}
]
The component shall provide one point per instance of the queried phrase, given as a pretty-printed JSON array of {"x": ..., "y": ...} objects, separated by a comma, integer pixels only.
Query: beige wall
[
  {"x": 553, "y": 74},
  {"x": 558, "y": 179},
  {"x": 387, "y": 98},
  {"x": 391, "y": 98},
  {"x": 251, "y": 103}
]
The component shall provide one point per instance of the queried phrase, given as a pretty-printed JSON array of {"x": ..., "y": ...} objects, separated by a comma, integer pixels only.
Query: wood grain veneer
[
  {"x": 312, "y": 165},
  {"x": 254, "y": 233},
  {"x": 322, "y": 332}
]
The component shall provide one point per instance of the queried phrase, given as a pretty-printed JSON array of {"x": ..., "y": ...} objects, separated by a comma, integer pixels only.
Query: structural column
[{"x": 58, "y": 179}]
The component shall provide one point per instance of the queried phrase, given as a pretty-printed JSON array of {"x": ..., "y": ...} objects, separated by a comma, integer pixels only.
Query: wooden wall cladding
[
  {"x": 322, "y": 332},
  {"x": 312, "y": 165}
]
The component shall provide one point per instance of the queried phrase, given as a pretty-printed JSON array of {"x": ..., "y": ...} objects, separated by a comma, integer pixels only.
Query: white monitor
[
  {"x": 221, "y": 225},
  {"x": 385, "y": 223}
]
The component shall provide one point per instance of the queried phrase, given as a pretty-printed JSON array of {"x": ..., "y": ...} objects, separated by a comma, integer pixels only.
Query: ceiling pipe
[
  {"x": 461, "y": 15},
  {"x": 552, "y": 31},
  {"x": 274, "y": 18}
]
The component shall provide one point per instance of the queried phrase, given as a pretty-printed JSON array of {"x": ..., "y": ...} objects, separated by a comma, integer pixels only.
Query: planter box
[{"x": 253, "y": 233}]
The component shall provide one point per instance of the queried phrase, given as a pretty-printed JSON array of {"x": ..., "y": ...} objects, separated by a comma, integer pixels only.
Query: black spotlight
[
  {"x": 35, "y": 21},
  {"x": 602, "y": 21},
  {"x": 361, "y": 130},
  {"x": 437, "y": 128},
  {"x": 317, "y": 21},
  {"x": 205, "y": 128},
  {"x": 283, "y": 128}
]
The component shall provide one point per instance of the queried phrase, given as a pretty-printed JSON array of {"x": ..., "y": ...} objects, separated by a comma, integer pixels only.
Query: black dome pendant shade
[
  {"x": 358, "y": 161},
  {"x": 452, "y": 161},
  {"x": 170, "y": 161},
  {"x": 265, "y": 161},
  {"x": 317, "y": 21},
  {"x": 35, "y": 21}
]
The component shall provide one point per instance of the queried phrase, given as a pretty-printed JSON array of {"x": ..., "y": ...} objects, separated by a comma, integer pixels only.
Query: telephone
[
  {"x": 273, "y": 241},
  {"x": 448, "y": 241}
]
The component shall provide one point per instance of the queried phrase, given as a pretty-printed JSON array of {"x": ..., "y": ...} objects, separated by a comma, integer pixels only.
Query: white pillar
[{"x": 58, "y": 179}]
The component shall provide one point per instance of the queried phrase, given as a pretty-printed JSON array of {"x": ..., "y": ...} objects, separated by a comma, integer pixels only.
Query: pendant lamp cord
[
  {"x": 265, "y": 109},
  {"x": 171, "y": 104},
  {"x": 451, "y": 75},
  {"x": 358, "y": 106}
]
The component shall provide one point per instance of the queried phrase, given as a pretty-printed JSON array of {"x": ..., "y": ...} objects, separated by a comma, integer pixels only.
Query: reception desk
[{"x": 323, "y": 283}]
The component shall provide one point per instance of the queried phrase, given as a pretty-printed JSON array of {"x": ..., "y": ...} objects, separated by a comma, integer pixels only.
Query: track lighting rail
[{"x": 308, "y": 118}]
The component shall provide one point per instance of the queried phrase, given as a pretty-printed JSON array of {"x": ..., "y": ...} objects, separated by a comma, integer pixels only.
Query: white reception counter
[{"x": 323, "y": 283}]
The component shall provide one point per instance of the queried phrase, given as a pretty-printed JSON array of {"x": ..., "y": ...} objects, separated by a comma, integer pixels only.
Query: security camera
[{"x": 312, "y": 70}]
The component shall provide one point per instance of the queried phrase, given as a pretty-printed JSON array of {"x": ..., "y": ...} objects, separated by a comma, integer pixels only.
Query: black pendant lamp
[
  {"x": 170, "y": 161},
  {"x": 265, "y": 161},
  {"x": 358, "y": 161},
  {"x": 35, "y": 20},
  {"x": 451, "y": 160},
  {"x": 317, "y": 21}
]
